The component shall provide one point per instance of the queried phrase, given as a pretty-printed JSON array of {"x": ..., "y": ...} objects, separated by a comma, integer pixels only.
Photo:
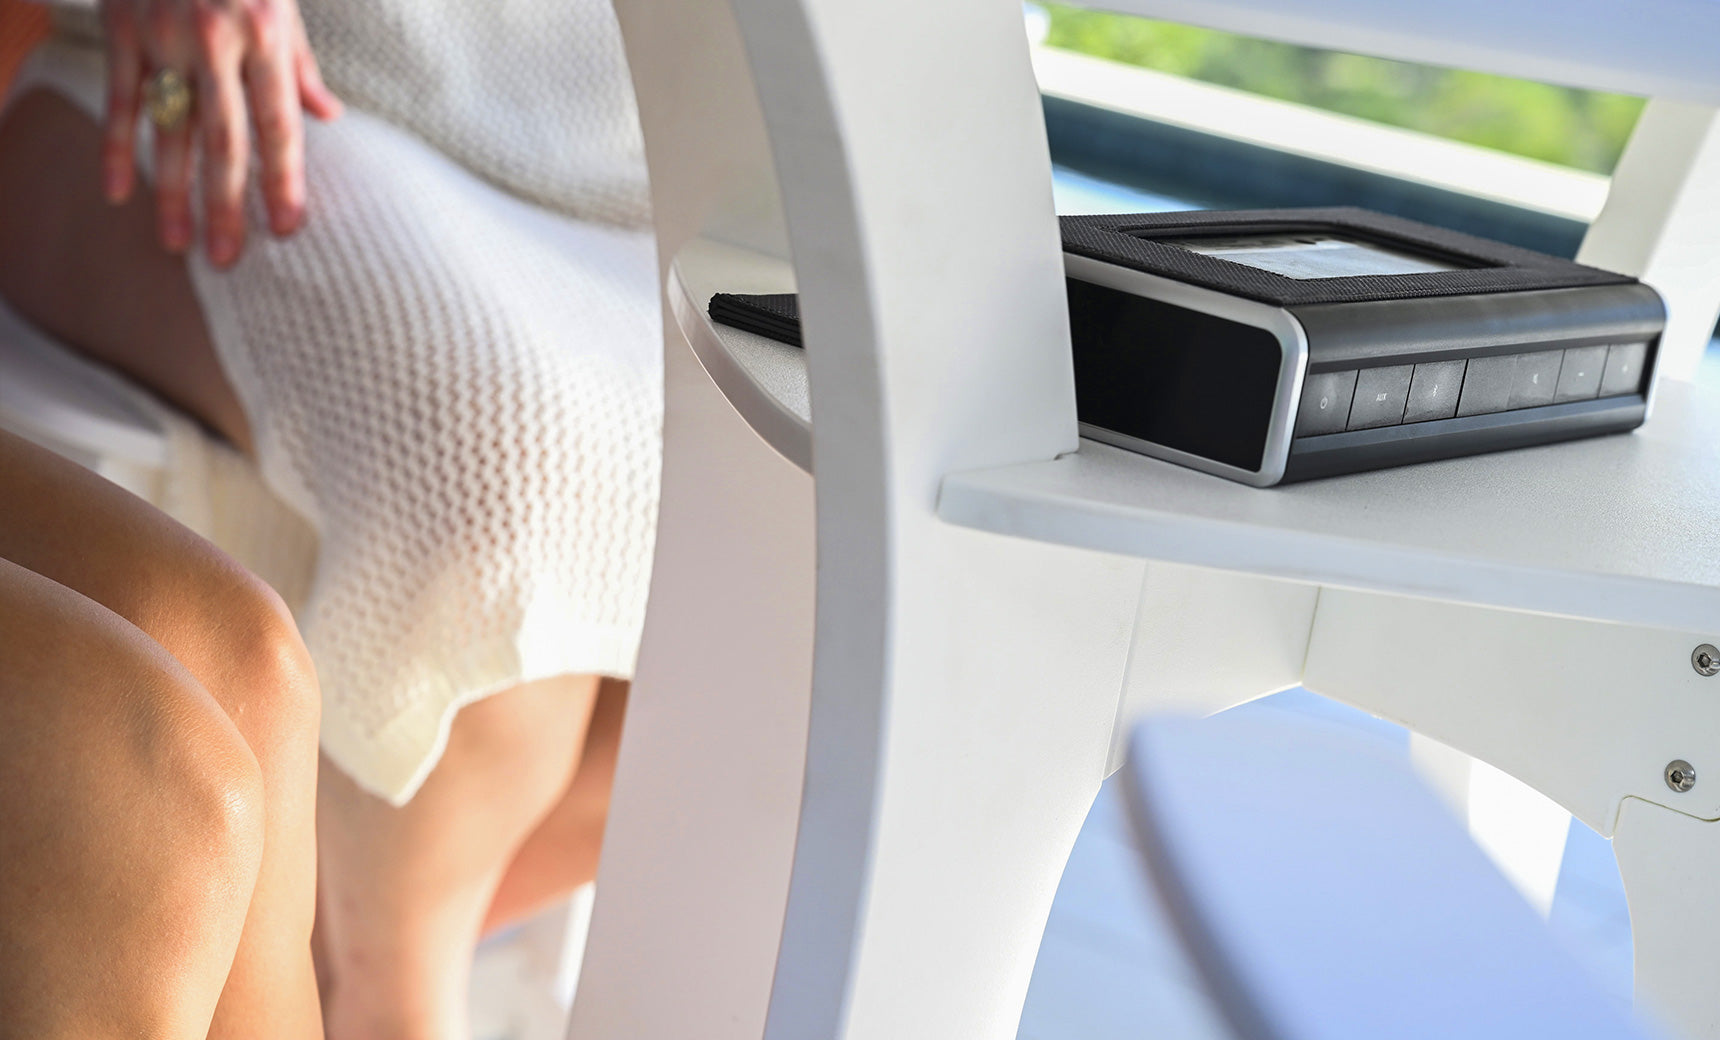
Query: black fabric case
[
  {"x": 1131, "y": 241},
  {"x": 773, "y": 315}
]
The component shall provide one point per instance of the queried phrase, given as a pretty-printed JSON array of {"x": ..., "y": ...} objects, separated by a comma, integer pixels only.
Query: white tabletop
[
  {"x": 1617, "y": 528},
  {"x": 766, "y": 381}
]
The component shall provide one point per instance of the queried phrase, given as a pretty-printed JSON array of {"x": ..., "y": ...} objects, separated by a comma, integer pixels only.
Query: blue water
[{"x": 1075, "y": 193}]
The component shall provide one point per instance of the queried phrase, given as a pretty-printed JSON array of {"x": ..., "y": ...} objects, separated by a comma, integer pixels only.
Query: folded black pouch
[{"x": 775, "y": 315}]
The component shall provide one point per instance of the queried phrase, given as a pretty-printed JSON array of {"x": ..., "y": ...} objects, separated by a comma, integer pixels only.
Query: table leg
[
  {"x": 697, "y": 854},
  {"x": 1588, "y": 713},
  {"x": 939, "y": 810},
  {"x": 1670, "y": 863}
]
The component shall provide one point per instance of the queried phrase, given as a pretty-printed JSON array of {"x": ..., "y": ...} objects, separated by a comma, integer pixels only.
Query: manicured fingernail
[
  {"x": 285, "y": 219},
  {"x": 222, "y": 249}
]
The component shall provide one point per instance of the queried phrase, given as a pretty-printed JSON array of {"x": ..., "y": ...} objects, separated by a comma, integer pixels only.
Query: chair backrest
[{"x": 1325, "y": 894}]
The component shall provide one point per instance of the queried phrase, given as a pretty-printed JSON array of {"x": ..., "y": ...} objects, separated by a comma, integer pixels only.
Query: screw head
[
  {"x": 1705, "y": 659},
  {"x": 1680, "y": 775}
]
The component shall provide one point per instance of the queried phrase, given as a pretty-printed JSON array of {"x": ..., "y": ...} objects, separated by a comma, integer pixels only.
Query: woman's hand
[{"x": 249, "y": 68}]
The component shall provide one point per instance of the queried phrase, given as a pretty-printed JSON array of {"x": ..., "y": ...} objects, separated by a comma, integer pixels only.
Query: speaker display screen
[{"x": 1313, "y": 255}]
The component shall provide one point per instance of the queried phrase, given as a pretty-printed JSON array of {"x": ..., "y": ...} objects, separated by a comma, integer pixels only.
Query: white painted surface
[
  {"x": 1445, "y": 770},
  {"x": 964, "y": 686},
  {"x": 1669, "y": 862},
  {"x": 1206, "y": 640},
  {"x": 1588, "y": 713},
  {"x": 1622, "y": 528},
  {"x": 964, "y": 690},
  {"x": 1650, "y": 47},
  {"x": 695, "y": 870},
  {"x": 1521, "y": 830},
  {"x": 765, "y": 380},
  {"x": 1661, "y": 221}
]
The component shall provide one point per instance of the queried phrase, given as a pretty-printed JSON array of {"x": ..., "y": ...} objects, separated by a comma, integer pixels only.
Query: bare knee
[
  {"x": 265, "y": 677},
  {"x": 183, "y": 864},
  {"x": 209, "y": 790},
  {"x": 133, "y": 828}
]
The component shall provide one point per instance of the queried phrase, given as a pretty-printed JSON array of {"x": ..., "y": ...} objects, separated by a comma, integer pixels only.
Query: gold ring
[{"x": 167, "y": 98}]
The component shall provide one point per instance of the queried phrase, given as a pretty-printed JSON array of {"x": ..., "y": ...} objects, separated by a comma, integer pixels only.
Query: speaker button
[
  {"x": 1433, "y": 391},
  {"x": 1381, "y": 394},
  {"x": 1325, "y": 406},
  {"x": 1580, "y": 379},
  {"x": 1487, "y": 385},
  {"x": 1623, "y": 373},
  {"x": 1537, "y": 378}
]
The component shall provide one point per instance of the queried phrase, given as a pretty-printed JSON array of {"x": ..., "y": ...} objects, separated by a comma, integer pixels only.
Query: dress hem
[{"x": 394, "y": 761}]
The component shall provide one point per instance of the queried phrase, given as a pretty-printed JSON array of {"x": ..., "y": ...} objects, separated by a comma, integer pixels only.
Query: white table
[{"x": 872, "y": 708}]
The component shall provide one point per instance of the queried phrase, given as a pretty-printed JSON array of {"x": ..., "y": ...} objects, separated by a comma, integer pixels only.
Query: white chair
[{"x": 872, "y": 709}]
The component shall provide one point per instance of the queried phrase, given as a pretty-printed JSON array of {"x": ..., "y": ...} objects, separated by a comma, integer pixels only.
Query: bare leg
[
  {"x": 93, "y": 275},
  {"x": 405, "y": 890},
  {"x": 562, "y": 853},
  {"x": 131, "y": 821},
  {"x": 234, "y": 637}
]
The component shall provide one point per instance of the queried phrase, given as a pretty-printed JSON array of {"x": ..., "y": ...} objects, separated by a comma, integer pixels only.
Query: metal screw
[
  {"x": 1705, "y": 659},
  {"x": 1680, "y": 775}
]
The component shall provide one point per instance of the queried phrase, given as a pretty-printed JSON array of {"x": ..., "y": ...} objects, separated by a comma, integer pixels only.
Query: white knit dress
[{"x": 454, "y": 370}]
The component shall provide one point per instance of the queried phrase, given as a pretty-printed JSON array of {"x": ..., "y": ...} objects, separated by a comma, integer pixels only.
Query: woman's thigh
[
  {"x": 94, "y": 275},
  {"x": 78, "y": 529},
  {"x": 222, "y": 623}
]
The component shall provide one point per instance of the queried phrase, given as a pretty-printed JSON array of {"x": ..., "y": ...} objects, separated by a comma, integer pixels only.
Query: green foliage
[{"x": 1572, "y": 127}]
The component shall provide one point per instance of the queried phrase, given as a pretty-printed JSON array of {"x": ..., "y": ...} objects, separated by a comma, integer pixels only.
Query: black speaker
[{"x": 1270, "y": 346}]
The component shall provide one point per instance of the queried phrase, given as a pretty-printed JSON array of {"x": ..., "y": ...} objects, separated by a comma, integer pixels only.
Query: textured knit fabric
[
  {"x": 531, "y": 94},
  {"x": 459, "y": 389}
]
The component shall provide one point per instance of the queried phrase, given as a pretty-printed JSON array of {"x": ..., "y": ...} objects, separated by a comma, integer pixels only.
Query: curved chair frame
[{"x": 872, "y": 710}]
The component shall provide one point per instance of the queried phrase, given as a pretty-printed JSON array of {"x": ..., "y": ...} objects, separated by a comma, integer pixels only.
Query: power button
[{"x": 1325, "y": 404}]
